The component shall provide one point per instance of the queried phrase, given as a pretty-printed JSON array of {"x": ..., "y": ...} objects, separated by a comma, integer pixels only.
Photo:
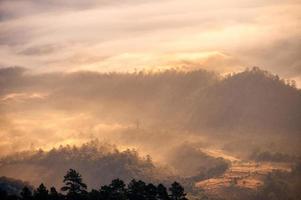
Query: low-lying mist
[
  {"x": 171, "y": 116},
  {"x": 99, "y": 163}
]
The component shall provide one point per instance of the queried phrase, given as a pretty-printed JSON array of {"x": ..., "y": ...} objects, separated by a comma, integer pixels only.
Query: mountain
[
  {"x": 251, "y": 100},
  {"x": 12, "y": 186},
  {"x": 85, "y": 105}
]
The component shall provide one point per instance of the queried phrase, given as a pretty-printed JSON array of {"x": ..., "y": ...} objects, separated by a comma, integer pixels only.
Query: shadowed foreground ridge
[{"x": 75, "y": 189}]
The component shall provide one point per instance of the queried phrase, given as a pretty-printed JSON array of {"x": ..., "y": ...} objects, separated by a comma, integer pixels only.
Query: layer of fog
[{"x": 158, "y": 114}]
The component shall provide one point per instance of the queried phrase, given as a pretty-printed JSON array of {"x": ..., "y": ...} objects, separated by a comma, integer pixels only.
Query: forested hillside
[{"x": 250, "y": 100}]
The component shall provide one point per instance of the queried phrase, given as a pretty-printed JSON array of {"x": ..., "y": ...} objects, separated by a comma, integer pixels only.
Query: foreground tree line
[{"x": 75, "y": 189}]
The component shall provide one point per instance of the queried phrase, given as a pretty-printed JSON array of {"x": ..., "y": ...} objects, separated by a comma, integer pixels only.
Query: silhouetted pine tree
[
  {"x": 136, "y": 190},
  {"x": 177, "y": 192},
  {"x": 162, "y": 193},
  {"x": 41, "y": 193},
  {"x": 151, "y": 192},
  {"x": 26, "y": 194},
  {"x": 94, "y": 195},
  {"x": 74, "y": 185},
  {"x": 105, "y": 192},
  {"x": 54, "y": 195},
  {"x": 117, "y": 190}
]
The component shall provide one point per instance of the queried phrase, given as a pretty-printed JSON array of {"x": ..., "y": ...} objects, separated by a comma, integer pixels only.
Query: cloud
[
  {"x": 22, "y": 96},
  {"x": 49, "y": 109},
  {"x": 30, "y": 7},
  {"x": 127, "y": 35},
  {"x": 40, "y": 50},
  {"x": 281, "y": 56}
]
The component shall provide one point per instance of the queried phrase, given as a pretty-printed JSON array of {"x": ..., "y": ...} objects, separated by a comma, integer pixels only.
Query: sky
[{"x": 129, "y": 35}]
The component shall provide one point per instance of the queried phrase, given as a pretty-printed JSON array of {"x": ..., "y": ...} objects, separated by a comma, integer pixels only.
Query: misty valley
[{"x": 168, "y": 135}]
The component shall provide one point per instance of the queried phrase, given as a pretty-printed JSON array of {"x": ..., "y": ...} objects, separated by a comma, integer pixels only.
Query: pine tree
[
  {"x": 177, "y": 192},
  {"x": 54, "y": 195},
  {"x": 136, "y": 190},
  {"x": 74, "y": 185},
  {"x": 41, "y": 193},
  {"x": 26, "y": 194},
  {"x": 118, "y": 191},
  {"x": 162, "y": 193},
  {"x": 151, "y": 192}
]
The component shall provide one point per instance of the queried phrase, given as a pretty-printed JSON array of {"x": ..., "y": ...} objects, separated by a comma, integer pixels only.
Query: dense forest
[
  {"x": 282, "y": 185},
  {"x": 241, "y": 107},
  {"x": 75, "y": 189},
  {"x": 100, "y": 163},
  {"x": 251, "y": 100},
  {"x": 277, "y": 186}
]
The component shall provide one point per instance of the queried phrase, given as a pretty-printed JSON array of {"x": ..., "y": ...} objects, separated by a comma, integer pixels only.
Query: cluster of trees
[
  {"x": 257, "y": 70},
  {"x": 272, "y": 156},
  {"x": 282, "y": 185},
  {"x": 99, "y": 163},
  {"x": 252, "y": 99},
  {"x": 196, "y": 164},
  {"x": 75, "y": 189}
]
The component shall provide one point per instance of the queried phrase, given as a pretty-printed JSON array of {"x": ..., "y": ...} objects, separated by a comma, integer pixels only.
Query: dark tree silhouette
[
  {"x": 74, "y": 185},
  {"x": 177, "y": 192},
  {"x": 26, "y": 194},
  {"x": 136, "y": 190},
  {"x": 54, "y": 195},
  {"x": 105, "y": 192},
  {"x": 41, "y": 193},
  {"x": 162, "y": 193},
  {"x": 12, "y": 197},
  {"x": 151, "y": 192},
  {"x": 116, "y": 190},
  {"x": 94, "y": 195},
  {"x": 3, "y": 194}
]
